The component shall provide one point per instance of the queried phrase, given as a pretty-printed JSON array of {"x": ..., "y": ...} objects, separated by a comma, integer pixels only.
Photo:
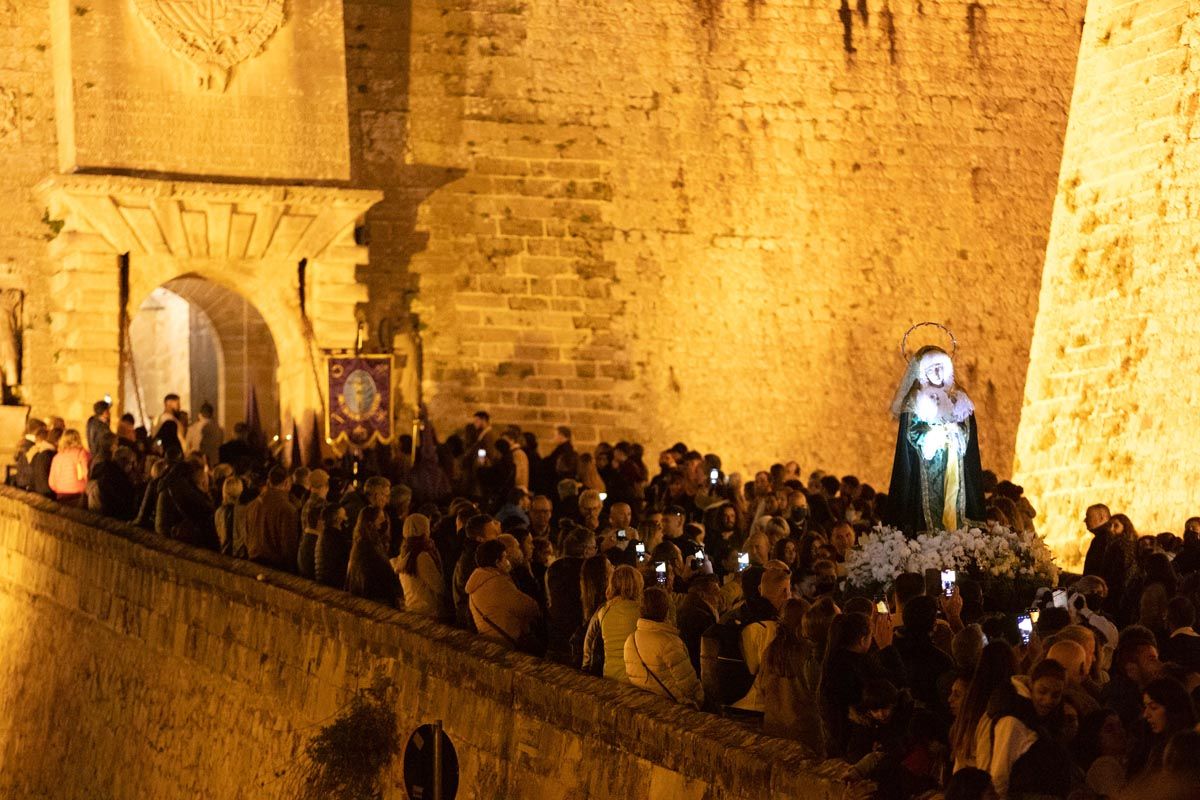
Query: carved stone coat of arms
[{"x": 215, "y": 35}]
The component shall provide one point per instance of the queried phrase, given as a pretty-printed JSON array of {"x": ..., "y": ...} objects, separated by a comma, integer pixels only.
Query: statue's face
[
  {"x": 934, "y": 374},
  {"x": 937, "y": 370}
]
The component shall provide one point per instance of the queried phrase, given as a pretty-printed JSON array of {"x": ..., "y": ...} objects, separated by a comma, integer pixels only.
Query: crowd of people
[{"x": 723, "y": 594}]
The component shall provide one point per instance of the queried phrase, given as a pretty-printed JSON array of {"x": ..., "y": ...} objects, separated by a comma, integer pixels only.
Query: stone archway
[
  {"x": 290, "y": 250},
  {"x": 206, "y": 343}
]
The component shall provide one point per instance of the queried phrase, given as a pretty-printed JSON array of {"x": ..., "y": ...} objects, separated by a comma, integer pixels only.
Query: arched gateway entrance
[
  {"x": 206, "y": 343},
  {"x": 285, "y": 257}
]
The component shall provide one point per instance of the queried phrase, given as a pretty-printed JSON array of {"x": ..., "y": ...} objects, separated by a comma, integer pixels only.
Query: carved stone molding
[
  {"x": 193, "y": 220},
  {"x": 215, "y": 35}
]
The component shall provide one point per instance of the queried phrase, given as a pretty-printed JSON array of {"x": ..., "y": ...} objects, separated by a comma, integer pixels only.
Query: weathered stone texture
[
  {"x": 27, "y": 154},
  {"x": 714, "y": 221},
  {"x": 129, "y": 99},
  {"x": 709, "y": 221},
  {"x": 136, "y": 667},
  {"x": 1109, "y": 405}
]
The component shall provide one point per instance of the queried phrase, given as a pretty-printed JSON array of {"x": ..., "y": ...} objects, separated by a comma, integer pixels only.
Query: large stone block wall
[
  {"x": 27, "y": 155},
  {"x": 709, "y": 221},
  {"x": 1111, "y": 401},
  {"x": 712, "y": 221},
  {"x": 136, "y": 667}
]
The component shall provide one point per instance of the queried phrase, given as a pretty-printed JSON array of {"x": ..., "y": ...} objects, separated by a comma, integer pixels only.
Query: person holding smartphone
[
  {"x": 618, "y": 539},
  {"x": 924, "y": 662},
  {"x": 859, "y": 649}
]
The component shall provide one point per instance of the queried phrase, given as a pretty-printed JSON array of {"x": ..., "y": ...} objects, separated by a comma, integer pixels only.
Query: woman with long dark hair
[
  {"x": 593, "y": 593},
  {"x": 369, "y": 574},
  {"x": 1166, "y": 710},
  {"x": 589, "y": 474},
  {"x": 808, "y": 554},
  {"x": 997, "y": 664},
  {"x": 1100, "y": 751},
  {"x": 787, "y": 688},
  {"x": 1120, "y": 561},
  {"x": 593, "y": 583}
]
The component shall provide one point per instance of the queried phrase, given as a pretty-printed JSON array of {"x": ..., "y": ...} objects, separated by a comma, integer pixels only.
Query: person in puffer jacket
[
  {"x": 655, "y": 657},
  {"x": 614, "y": 622},
  {"x": 1020, "y": 748},
  {"x": 502, "y": 612}
]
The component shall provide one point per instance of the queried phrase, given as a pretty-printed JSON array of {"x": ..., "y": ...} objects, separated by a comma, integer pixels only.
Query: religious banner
[{"x": 360, "y": 400}]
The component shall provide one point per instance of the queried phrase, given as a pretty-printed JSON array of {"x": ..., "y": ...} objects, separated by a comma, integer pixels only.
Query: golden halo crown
[{"x": 947, "y": 331}]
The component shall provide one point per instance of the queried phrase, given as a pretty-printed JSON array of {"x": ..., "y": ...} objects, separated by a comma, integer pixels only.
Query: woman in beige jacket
[
  {"x": 655, "y": 657},
  {"x": 612, "y": 624}
]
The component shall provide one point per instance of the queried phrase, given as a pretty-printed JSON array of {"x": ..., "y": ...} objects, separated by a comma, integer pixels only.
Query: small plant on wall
[{"x": 346, "y": 759}]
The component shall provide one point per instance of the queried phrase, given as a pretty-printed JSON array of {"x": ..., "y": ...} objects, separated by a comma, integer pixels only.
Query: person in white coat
[
  {"x": 420, "y": 569},
  {"x": 655, "y": 657}
]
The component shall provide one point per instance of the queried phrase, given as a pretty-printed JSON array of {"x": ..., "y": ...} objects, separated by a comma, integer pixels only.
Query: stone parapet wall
[{"x": 137, "y": 667}]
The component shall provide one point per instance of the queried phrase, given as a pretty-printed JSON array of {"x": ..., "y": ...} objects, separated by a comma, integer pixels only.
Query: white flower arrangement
[{"x": 998, "y": 552}]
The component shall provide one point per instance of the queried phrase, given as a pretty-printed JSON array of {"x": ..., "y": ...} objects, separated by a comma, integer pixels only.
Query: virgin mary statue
[{"x": 936, "y": 475}]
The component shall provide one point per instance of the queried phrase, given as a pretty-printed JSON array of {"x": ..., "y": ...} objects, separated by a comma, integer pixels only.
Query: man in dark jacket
[
  {"x": 1134, "y": 665},
  {"x": 184, "y": 510},
  {"x": 115, "y": 492},
  {"x": 547, "y": 480},
  {"x": 697, "y": 613},
  {"x": 924, "y": 663},
  {"x": 1183, "y": 644},
  {"x": 563, "y": 601},
  {"x": 98, "y": 425},
  {"x": 333, "y": 548},
  {"x": 448, "y": 537},
  {"x": 1097, "y": 521},
  {"x": 273, "y": 538},
  {"x": 238, "y": 451},
  {"x": 1188, "y": 560}
]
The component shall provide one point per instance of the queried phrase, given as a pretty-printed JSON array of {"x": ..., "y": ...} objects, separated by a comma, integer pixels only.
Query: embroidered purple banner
[{"x": 360, "y": 400}]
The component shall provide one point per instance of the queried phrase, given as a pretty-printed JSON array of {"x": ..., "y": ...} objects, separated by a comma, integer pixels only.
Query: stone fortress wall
[
  {"x": 714, "y": 220},
  {"x": 137, "y": 667},
  {"x": 699, "y": 220},
  {"x": 1110, "y": 407}
]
